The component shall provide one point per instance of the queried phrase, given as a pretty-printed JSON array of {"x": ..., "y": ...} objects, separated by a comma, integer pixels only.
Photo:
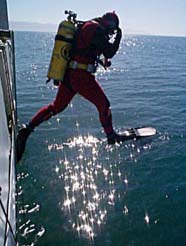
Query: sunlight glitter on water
[
  {"x": 147, "y": 219},
  {"x": 83, "y": 141},
  {"x": 85, "y": 201},
  {"x": 92, "y": 185}
]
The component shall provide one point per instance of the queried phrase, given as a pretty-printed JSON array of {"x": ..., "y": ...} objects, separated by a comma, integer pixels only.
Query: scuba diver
[{"x": 92, "y": 39}]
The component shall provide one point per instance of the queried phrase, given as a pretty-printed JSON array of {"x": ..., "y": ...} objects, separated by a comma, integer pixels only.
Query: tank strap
[{"x": 62, "y": 38}]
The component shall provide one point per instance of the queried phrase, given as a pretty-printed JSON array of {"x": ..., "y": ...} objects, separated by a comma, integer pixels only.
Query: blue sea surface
[{"x": 74, "y": 189}]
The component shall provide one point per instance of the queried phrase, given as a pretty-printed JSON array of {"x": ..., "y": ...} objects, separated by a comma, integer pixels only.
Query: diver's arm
[{"x": 101, "y": 42}]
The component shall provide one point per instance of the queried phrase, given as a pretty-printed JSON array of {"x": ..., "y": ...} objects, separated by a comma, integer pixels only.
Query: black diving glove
[
  {"x": 119, "y": 34},
  {"x": 117, "y": 39}
]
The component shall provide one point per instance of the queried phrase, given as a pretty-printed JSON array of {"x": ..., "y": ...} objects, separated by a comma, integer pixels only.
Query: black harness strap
[{"x": 62, "y": 38}]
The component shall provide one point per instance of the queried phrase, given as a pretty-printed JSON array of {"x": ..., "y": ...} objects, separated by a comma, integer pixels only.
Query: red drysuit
[{"x": 91, "y": 41}]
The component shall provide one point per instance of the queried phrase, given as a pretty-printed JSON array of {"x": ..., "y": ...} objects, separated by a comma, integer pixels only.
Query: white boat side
[{"x": 7, "y": 132}]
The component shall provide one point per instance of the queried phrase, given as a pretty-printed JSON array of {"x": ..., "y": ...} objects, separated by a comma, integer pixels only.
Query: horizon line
[{"x": 41, "y": 27}]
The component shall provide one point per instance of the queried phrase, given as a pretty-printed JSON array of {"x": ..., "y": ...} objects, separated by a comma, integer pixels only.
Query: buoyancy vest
[{"x": 84, "y": 51}]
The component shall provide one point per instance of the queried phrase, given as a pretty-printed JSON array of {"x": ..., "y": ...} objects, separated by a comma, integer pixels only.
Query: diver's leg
[
  {"x": 92, "y": 91},
  {"x": 63, "y": 97}
]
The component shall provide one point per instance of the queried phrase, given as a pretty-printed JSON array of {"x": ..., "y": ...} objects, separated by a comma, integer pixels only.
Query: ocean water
[{"x": 75, "y": 190}]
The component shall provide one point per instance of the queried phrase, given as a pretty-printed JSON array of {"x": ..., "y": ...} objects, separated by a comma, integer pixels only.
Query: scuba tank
[{"x": 62, "y": 47}]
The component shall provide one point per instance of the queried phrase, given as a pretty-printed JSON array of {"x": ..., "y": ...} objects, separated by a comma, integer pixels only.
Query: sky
[{"x": 156, "y": 17}]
